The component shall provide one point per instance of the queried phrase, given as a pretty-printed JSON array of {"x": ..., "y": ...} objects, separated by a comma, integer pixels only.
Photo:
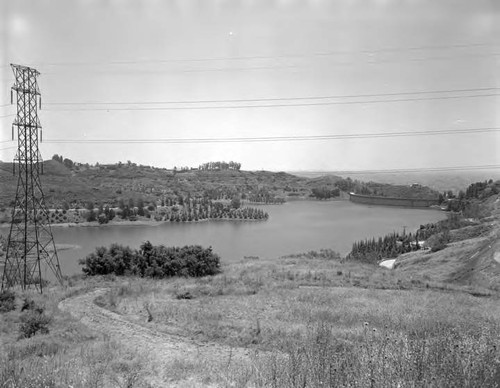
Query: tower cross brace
[{"x": 30, "y": 244}]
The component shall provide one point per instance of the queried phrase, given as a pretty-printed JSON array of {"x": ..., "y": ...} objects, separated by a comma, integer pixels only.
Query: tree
[
  {"x": 91, "y": 216},
  {"x": 102, "y": 218},
  {"x": 236, "y": 202},
  {"x": 125, "y": 212},
  {"x": 68, "y": 163},
  {"x": 140, "y": 207}
]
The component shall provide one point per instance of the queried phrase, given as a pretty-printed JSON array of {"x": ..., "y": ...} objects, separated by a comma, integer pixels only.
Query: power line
[
  {"x": 371, "y": 61},
  {"x": 277, "y": 138},
  {"x": 260, "y": 57},
  {"x": 421, "y": 169},
  {"x": 241, "y": 100},
  {"x": 274, "y": 105}
]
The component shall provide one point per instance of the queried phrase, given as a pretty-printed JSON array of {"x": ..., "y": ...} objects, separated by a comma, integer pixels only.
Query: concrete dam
[{"x": 391, "y": 201}]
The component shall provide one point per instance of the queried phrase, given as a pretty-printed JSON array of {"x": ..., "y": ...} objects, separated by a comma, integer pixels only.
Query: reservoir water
[{"x": 294, "y": 227}]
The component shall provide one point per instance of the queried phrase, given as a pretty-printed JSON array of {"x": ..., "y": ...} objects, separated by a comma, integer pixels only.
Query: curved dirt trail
[{"x": 160, "y": 347}]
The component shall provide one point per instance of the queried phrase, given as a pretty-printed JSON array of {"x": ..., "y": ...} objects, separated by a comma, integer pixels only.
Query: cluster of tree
[
  {"x": 175, "y": 208},
  {"x": 221, "y": 193},
  {"x": 415, "y": 191},
  {"x": 390, "y": 246},
  {"x": 325, "y": 192},
  {"x": 152, "y": 261},
  {"x": 132, "y": 209},
  {"x": 67, "y": 162},
  {"x": 103, "y": 215},
  {"x": 464, "y": 201},
  {"x": 202, "y": 209},
  {"x": 482, "y": 190},
  {"x": 453, "y": 221},
  {"x": 126, "y": 210},
  {"x": 354, "y": 186},
  {"x": 263, "y": 195},
  {"x": 181, "y": 169},
  {"x": 210, "y": 166}
]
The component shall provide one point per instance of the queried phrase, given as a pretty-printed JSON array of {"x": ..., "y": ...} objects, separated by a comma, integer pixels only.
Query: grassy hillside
[
  {"x": 468, "y": 260},
  {"x": 306, "y": 320},
  {"x": 107, "y": 184}
]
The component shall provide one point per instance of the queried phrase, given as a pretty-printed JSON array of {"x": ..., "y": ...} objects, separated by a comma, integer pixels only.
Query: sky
[{"x": 252, "y": 70}]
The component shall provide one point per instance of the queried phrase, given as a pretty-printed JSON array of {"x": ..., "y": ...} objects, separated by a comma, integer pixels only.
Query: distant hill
[
  {"x": 437, "y": 180},
  {"x": 77, "y": 184}
]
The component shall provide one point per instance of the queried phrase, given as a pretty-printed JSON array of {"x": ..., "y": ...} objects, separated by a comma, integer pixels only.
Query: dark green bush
[
  {"x": 438, "y": 241},
  {"x": 28, "y": 304},
  {"x": 152, "y": 261},
  {"x": 7, "y": 301},
  {"x": 33, "y": 321}
]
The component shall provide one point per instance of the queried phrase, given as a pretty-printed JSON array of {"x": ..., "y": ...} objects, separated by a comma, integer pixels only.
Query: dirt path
[{"x": 160, "y": 347}]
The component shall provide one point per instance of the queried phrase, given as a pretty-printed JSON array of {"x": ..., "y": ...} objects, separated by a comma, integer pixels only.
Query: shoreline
[{"x": 141, "y": 223}]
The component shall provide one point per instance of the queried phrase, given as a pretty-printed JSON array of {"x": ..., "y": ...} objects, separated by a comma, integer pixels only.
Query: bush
[
  {"x": 28, "y": 304},
  {"x": 7, "y": 301},
  {"x": 438, "y": 241},
  {"x": 34, "y": 321},
  {"x": 152, "y": 261}
]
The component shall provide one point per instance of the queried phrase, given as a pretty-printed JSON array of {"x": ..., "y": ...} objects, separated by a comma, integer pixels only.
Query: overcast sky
[{"x": 140, "y": 56}]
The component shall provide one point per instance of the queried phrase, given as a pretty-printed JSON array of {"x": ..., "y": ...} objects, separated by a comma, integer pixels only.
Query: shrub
[
  {"x": 34, "y": 321},
  {"x": 184, "y": 295},
  {"x": 7, "y": 301},
  {"x": 438, "y": 241},
  {"x": 152, "y": 261},
  {"x": 28, "y": 304}
]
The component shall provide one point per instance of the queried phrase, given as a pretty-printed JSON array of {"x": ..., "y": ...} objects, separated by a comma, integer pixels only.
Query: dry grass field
[{"x": 309, "y": 320}]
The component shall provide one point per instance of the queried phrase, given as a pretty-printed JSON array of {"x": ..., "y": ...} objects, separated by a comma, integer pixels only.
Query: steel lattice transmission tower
[{"x": 30, "y": 245}]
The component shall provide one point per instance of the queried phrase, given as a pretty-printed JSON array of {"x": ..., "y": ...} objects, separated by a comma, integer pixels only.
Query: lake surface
[{"x": 294, "y": 227}]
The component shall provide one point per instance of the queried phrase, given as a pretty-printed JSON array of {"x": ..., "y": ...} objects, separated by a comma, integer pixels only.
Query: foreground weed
[
  {"x": 382, "y": 358},
  {"x": 7, "y": 301}
]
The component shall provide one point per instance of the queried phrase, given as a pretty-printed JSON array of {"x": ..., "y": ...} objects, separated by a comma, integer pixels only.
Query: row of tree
[
  {"x": 175, "y": 209},
  {"x": 207, "y": 211},
  {"x": 211, "y": 166},
  {"x": 389, "y": 246},
  {"x": 325, "y": 192},
  {"x": 263, "y": 195}
]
